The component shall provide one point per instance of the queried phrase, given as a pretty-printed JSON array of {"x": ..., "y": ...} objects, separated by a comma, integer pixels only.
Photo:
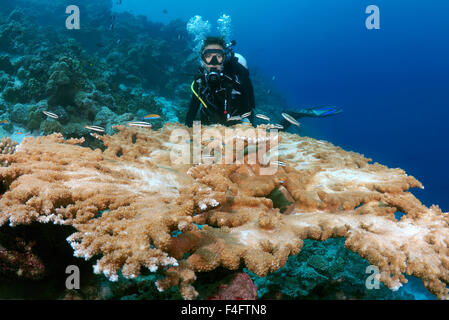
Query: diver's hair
[{"x": 214, "y": 40}]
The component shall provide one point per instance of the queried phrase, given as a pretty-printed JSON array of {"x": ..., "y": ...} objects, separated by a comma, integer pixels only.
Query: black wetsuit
[{"x": 235, "y": 87}]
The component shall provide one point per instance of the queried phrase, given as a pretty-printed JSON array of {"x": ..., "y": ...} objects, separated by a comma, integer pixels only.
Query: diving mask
[{"x": 213, "y": 57}]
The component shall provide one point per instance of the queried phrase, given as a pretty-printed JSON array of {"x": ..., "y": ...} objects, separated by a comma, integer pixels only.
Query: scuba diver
[
  {"x": 223, "y": 89},
  {"x": 224, "y": 92}
]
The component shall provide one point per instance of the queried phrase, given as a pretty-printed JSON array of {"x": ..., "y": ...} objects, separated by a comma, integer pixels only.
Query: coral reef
[
  {"x": 44, "y": 66},
  {"x": 324, "y": 270},
  {"x": 127, "y": 201},
  {"x": 20, "y": 262}
]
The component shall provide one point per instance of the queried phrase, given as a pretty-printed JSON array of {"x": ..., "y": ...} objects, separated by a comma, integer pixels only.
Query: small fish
[
  {"x": 94, "y": 135},
  {"x": 165, "y": 11},
  {"x": 19, "y": 132},
  {"x": 269, "y": 91},
  {"x": 50, "y": 114},
  {"x": 246, "y": 115},
  {"x": 4, "y": 122},
  {"x": 151, "y": 117},
  {"x": 235, "y": 118},
  {"x": 276, "y": 126},
  {"x": 262, "y": 116},
  {"x": 140, "y": 124},
  {"x": 118, "y": 41},
  {"x": 290, "y": 119},
  {"x": 111, "y": 27},
  {"x": 180, "y": 37},
  {"x": 274, "y": 78},
  {"x": 279, "y": 163},
  {"x": 99, "y": 45},
  {"x": 95, "y": 128}
]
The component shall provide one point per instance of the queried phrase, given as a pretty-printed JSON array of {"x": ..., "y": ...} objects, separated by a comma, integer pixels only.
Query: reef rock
[
  {"x": 20, "y": 262},
  {"x": 239, "y": 287},
  {"x": 5, "y": 64}
]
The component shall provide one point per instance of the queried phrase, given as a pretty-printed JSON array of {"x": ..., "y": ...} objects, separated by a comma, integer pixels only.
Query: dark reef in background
[{"x": 96, "y": 75}]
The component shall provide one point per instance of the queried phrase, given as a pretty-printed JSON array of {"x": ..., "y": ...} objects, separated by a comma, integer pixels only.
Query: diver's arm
[
  {"x": 247, "y": 103},
  {"x": 193, "y": 109},
  {"x": 251, "y": 101}
]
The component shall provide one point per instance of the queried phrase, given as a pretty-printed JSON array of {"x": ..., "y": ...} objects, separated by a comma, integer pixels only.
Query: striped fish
[
  {"x": 140, "y": 124},
  {"x": 95, "y": 128},
  {"x": 50, "y": 114},
  {"x": 290, "y": 119},
  {"x": 279, "y": 163},
  {"x": 246, "y": 115},
  {"x": 235, "y": 118},
  {"x": 262, "y": 116}
]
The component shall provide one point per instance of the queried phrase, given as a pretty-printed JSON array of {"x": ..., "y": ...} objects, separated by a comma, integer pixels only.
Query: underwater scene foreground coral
[
  {"x": 143, "y": 227},
  {"x": 132, "y": 207}
]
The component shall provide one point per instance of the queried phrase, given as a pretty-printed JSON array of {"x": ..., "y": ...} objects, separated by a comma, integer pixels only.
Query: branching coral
[
  {"x": 126, "y": 202},
  {"x": 7, "y": 146}
]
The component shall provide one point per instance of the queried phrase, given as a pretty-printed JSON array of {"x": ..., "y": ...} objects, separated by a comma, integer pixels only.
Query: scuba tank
[{"x": 232, "y": 55}]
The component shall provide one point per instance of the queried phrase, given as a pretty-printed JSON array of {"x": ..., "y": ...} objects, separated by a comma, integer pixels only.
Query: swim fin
[{"x": 315, "y": 112}]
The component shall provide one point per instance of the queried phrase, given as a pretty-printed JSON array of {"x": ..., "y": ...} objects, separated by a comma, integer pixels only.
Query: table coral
[{"x": 126, "y": 201}]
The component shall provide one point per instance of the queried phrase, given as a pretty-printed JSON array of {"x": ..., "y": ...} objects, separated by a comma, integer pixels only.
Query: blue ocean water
[{"x": 393, "y": 83}]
